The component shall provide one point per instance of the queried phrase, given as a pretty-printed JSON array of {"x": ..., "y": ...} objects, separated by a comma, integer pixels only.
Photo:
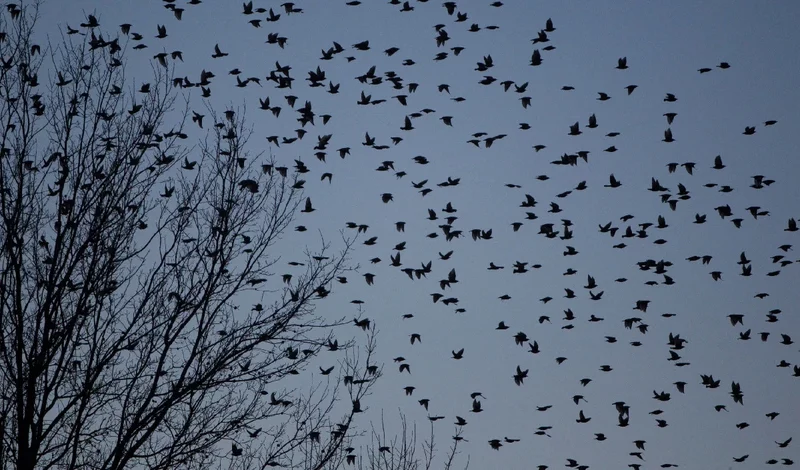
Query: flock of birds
[{"x": 555, "y": 219}]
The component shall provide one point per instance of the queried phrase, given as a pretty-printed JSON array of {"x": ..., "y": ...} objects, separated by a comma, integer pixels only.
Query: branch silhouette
[{"x": 127, "y": 267}]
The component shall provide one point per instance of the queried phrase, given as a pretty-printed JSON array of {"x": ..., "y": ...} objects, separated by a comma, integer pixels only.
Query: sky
[{"x": 665, "y": 44}]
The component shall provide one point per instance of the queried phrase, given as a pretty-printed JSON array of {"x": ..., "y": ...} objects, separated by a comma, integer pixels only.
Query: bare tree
[
  {"x": 125, "y": 257},
  {"x": 399, "y": 452}
]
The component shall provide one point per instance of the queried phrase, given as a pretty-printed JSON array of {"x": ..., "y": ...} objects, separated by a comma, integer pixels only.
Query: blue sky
[{"x": 665, "y": 44}]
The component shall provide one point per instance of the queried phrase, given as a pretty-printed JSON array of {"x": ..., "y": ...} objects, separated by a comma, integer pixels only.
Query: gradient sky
[{"x": 665, "y": 44}]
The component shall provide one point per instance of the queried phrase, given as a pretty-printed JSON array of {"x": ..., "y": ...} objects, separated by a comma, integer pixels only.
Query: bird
[
  {"x": 520, "y": 376},
  {"x": 218, "y": 53},
  {"x": 784, "y": 444},
  {"x": 612, "y": 182},
  {"x": 476, "y": 406}
]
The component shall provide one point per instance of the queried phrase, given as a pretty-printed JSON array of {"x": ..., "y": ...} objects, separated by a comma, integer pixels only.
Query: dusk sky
[{"x": 665, "y": 44}]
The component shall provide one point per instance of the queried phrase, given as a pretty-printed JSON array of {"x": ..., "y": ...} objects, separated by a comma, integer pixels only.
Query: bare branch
[{"x": 126, "y": 261}]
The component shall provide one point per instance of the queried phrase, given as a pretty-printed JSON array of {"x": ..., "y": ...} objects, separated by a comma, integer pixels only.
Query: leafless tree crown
[{"x": 128, "y": 268}]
